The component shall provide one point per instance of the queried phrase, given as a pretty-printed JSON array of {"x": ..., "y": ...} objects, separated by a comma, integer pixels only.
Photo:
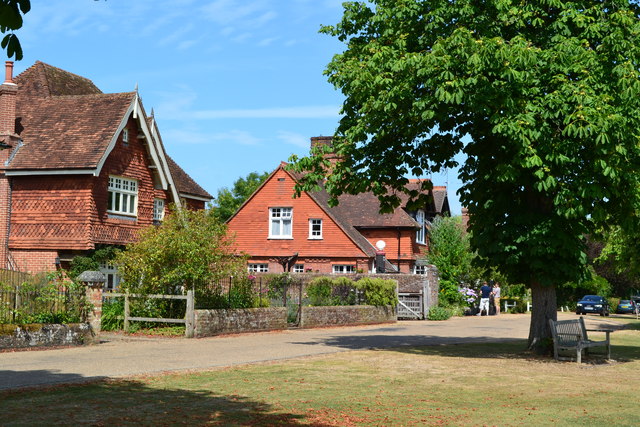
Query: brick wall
[
  {"x": 216, "y": 322},
  {"x": 315, "y": 317},
  {"x": 34, "y": 261}
]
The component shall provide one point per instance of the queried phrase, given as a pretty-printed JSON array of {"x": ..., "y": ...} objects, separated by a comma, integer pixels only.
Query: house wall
[
  {"x": 34, "y": 261},
  {"x": 251, "y": 227},
  {"x": 127, "y": 160},
  {"x": 400, "y": 246}
]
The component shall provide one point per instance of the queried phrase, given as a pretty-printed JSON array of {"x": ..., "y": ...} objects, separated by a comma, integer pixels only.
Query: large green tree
[
  {"x": 11, "y": 12},
  {"x": 228, "y": 201},
  {"x": 543, "y": 98}
]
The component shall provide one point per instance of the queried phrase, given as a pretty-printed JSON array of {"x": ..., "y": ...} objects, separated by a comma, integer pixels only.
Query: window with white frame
[
  {"x": 258, "y": 268},
  {"x": 315, "y": 229},
  {"x": 280, "y": 223},
  {"x": 125, "y": 135},
  {"x": 298, "y": 268},
  {"x": 111, "y": 274},
  {"x": 420, "y": 269},
  {"x": 344, "y": 269},
  {"x": 123, "y": 196},
  {"x": 422, "y": 232},
  {"x": 158, "y": 209}
]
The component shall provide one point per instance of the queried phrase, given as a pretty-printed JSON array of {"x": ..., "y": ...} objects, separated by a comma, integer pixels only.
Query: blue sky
[{"x": 236, "y": 85}]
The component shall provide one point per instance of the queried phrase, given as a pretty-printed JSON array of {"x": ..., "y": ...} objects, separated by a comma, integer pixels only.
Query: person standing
[
  {"x": 496, "y": 296},
  {"x": 485, "y": 294}
]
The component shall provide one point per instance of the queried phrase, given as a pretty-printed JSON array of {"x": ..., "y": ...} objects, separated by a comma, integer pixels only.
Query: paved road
[{"x": 119, "y": 357}]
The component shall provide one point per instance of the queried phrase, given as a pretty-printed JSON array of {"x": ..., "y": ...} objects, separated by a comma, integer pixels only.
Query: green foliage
[
  {"x": 569, "y": 293},
  {"x": 378, "y": 292},
  {"x": 55, "y": 301},
  {"x": 319, "y": 291},
  {"x": 112, "y": 314},
  {"x": 439, "y": 313},
  {"x": 92, "y": 261},
  {"x": 229, "y": 201},
  {"x": 542, "y": 99},
  {"x": 241, "y": 294},
  {"x": 11, "y": 12},
  {"x": 190, "y": 250}
]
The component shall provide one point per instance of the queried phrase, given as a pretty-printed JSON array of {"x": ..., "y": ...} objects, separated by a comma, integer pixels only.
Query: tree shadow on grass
[{"x": 135, "y": 402}]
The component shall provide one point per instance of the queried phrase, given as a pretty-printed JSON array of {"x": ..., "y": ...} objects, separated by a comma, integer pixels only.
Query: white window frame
[
  {"x": 112, "y": 277},
  {"x": 421, "y": 234},
  {"x": 123, "y": 196},
  {"x": 420, "y": 269},
  {"x": 125, "y": 135},
  {"x": 343, "y": 269},
  {"x": 298, "y": 268},
  {"x": 158, "y": 209},
  {"x": 257, "y": 267},
  {"x": 280, "y": 217},
  {"x": 315, "y": 234}
]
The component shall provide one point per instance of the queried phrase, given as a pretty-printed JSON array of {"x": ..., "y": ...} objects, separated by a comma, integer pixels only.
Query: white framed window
[
  {"x": 111, "y": 273},
  {"x": 125, "y": 135},
  {"x": 258, "y": 268},
  {"x": 422, "y": 232},
  {"x": 158, "y": 209},
  {"x": 298, "y": 268},
  {"x": 123, "y": 196},
  {"x": 344, "y": 269},
  {"x": 315, "y": 229},
  {"x": 280, "y": 221},
  {"x": 419, "y": 269}
]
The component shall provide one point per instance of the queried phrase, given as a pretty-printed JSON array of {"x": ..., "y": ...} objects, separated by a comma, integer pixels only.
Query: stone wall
[
  {"x": 44, "y": 335},
  {"x": 220, "y": 321},
  {"x": 315, "y": 317}
]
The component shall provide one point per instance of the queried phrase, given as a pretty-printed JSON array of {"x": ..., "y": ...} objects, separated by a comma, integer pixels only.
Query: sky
[{"x": 236, "y": 86}]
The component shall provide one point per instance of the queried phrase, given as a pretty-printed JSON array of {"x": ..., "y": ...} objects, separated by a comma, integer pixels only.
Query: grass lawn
[{"x": 474, "y": 384}]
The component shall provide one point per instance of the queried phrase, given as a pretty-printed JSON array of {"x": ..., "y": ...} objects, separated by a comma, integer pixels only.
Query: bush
[
  {"x": 439, "y": 313},
  {"x": 112, "y": 314},
  {"x": 319, "y": 291},
  {"x": 378, "y": 292}
]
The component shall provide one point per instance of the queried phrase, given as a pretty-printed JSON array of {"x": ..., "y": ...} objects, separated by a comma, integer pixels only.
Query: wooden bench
[{"x": 571, "y": 335}]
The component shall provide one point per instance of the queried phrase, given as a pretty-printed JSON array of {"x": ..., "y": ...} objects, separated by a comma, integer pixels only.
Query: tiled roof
[
  {"x": 45, "y": 80},
  {"x": 67, "y": 132},
  {"x": 184, "y": 183}
]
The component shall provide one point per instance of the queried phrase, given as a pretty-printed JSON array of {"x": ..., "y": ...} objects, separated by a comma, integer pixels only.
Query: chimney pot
[{"x": 8, "y": 76}]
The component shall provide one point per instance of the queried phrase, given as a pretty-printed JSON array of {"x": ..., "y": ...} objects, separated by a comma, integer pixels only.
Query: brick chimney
[
  {"x": 326, "y": 141},
  {"x": 8, "y": 94}
]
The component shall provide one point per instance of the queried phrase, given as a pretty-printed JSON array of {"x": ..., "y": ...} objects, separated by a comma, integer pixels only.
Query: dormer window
[
  {"x": 125, "y": 135},
  {"x": 158, "y": 210}
]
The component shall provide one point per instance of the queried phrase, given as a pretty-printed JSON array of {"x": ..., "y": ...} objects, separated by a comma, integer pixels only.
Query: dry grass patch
[{"x": 474, "y": 384}]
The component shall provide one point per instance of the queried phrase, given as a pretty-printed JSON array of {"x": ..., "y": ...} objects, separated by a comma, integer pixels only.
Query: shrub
[
  {"x": 112, "y": 314},
  {"x": 439, "y": 313},
  {"x": 319, "y": 291},
  {"x": 378, "y": 292}
]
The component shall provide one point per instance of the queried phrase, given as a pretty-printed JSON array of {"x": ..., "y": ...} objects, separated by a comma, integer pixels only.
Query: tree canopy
[
  {"x": 190, "y": 249},
  {"x": 227, "y": 202},
  {"x": 541, "y": 96},
  {"x": 11, "y": 12}
]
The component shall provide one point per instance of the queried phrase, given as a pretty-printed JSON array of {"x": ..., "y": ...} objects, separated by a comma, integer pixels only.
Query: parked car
[
  {"x": 626, "y": 306},
  {"x": 593, "y": 304}
]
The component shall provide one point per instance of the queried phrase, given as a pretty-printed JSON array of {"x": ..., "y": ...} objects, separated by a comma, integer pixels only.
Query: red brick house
[
  {"x": 79, "y": 169},
  {"x": 272, "y": 225}
]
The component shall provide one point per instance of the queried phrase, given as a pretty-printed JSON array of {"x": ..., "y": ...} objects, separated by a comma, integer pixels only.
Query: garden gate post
[
  {"x": 189, "y": 316},
  {"x": 94, "y": 281}
]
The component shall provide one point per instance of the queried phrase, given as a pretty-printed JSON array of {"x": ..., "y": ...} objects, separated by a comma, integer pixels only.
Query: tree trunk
[{"x": 544, "y": 307}]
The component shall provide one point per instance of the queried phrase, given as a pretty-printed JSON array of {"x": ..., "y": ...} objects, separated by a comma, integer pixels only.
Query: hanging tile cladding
[
  {"x": 251, "y": 224},
  {"x": 50, "y": 212},
  {"x": 131, "y": 161},
  {"x": 391, "y": 238}
]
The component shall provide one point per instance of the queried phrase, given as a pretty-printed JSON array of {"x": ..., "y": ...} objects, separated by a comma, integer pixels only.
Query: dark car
[
  {"x": 593, "y": 304},
  {"x": 626, "y": 306}
]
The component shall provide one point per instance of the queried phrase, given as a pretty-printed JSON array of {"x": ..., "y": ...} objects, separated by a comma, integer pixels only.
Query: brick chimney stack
[
  {"x": 326, "y": 141},
  {"x": 8, "y": 93}
]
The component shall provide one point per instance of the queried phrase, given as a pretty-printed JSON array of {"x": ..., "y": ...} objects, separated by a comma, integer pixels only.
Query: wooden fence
[{"x": 188, "y": 320}]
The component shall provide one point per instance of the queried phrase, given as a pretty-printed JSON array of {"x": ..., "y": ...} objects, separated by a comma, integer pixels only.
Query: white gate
[{"x": 410, "y": 306}]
